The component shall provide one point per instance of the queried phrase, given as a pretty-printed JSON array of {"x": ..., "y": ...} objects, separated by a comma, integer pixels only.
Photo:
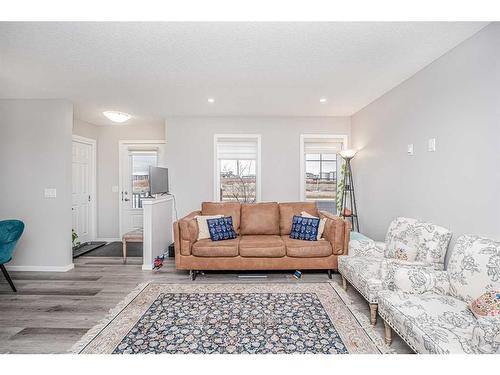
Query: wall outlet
[
  {"x": 409, "y": 150},
  {"x": 50, "y": 192},
  {"x": 431, "y": 145}
]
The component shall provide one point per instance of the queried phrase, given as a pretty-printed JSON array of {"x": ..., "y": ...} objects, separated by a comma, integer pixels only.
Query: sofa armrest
[
  {"x": 337, "y": 232},
  {"x": 366, "y": 248},
  {"x": 418, "y": 280},
  {"x": 186, "y": 233}
]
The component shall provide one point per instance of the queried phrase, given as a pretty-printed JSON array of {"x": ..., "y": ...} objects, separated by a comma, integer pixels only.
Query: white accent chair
[
  {"x": 429, "y": 309},
  {"x": 370, "y": 265}
]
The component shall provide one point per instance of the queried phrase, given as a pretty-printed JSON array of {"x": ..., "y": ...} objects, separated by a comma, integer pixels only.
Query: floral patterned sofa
[
  {"x": 429, "y": 309},
  {"x": 370, "y": 265}
]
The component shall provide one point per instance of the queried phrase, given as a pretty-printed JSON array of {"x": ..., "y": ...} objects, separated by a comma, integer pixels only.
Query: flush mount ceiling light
[
  {"x": 322, "y": 100},
  {"x": 211, "y": 100},
  {"x": 117, "y": 116}
]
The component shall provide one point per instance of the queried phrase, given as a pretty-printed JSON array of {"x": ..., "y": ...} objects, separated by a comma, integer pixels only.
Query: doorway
[
  {"x": 135, "y": 159},
  {"x": 83, "y": 203}
]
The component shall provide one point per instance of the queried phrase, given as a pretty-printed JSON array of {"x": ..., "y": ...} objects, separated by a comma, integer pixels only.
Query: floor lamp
[{"x": 349, "y": 209}]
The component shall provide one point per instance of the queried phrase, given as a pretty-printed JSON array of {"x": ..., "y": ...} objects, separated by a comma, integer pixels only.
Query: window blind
[
  {"x": 322, "y": 146},
  {"x": 237, "y": 149}
]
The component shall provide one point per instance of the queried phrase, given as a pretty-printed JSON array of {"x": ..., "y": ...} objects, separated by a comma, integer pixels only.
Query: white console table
[{"x": 158, "y": 228}]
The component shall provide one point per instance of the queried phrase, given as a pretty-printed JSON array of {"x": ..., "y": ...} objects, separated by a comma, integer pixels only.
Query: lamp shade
[{"x": 348, "y": 153}]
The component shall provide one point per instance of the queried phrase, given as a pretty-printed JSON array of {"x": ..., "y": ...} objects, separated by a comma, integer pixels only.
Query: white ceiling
[{"x": 156, "y": 70}]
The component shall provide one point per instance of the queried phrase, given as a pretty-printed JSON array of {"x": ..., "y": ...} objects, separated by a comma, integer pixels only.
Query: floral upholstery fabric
[
  {"x": 439, "y": 319},
  {"x": 430, "y": 322},
  {"x": 388, "y": 268},
  {"x": 363, "y": 273},
  {"x": 430, "y": 240},
  {"x": 365, "y": 248},
  {"x": 416, "y": 280},
  {"x": 486, "y": 335},
  {"x": 474, "y": 267}
]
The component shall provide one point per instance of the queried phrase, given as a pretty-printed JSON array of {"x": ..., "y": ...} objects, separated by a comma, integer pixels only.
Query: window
[
  {"x": 237, "y": 168},
  {"x": 319, "y": 169},
  {"x": 140, "y": 175}
]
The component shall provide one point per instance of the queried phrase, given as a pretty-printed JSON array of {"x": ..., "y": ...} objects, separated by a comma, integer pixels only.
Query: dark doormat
[
  {"x": 115, "y": 249},
  {"x": 85, "y": 248}
]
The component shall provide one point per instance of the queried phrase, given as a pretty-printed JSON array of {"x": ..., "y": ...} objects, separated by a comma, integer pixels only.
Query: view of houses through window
[
  {"x": 140, "y": 175},
  {"x": 320, "y": 169},
  {"x": 237, "y": 168}
]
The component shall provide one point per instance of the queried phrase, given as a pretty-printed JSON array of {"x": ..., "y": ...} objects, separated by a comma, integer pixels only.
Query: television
[{"x": 158, "y": 180}]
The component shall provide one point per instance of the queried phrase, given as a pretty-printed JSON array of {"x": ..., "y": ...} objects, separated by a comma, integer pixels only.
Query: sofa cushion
[
  {"x": 401, "y": 230},
  {"x": 474, "y": 267},
  {"x": 209, "y": 248},
  {"x": 306, "y": 249},
  {"x": 260, "y": 218},
  {"x": 265, "y": 246},
  {"x": 430, "y": 323},
  {"x": 290, "y": 209},
  {"x": 364, "y": 275},
  {"x": 223, "y": 208}
]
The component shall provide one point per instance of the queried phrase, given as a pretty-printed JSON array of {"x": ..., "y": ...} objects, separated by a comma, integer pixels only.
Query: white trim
[
  {"x": 120, "y": 172},
  {"x": 93, "y": 183},
  {"x": 303, "y": 137},
  {"x": 216, "y": 175},
  {"x": 41, "y": 268}
]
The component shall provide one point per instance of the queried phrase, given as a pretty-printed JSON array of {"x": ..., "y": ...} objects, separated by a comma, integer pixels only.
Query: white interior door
[
  {"x": 82, "y": 191},
  {"x": 135, "y": 160}
]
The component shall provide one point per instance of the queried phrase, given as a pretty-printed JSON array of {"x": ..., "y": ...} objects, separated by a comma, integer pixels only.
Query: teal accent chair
[{"x": 10, "y": 232}]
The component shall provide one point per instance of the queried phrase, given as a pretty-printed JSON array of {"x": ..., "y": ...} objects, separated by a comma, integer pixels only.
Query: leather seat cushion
[
  {"x": 209, "y": 248},
  {"x": 306, "y": 249},
  {"x": 262, "y": 246}
]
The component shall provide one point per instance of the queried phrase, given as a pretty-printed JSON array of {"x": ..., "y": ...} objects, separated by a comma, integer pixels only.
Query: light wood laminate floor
[{"x": 51, "y": 311}]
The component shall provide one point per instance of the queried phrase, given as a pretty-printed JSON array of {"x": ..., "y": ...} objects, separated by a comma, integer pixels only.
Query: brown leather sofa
[{"x": 263, "y": 241}]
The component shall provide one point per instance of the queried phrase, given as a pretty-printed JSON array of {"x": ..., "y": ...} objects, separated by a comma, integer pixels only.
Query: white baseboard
[
  {"x": 109, "y": 239},
  {"x": 41, "y": 268}
]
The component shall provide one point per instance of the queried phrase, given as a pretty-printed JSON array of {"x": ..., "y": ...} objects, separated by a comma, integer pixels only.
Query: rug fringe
[
  {"x": 363, "y": 320},
  {"x": 112, "y": 314}
]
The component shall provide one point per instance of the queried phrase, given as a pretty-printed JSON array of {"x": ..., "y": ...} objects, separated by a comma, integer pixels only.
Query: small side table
[{"x": 136, "y": 235}]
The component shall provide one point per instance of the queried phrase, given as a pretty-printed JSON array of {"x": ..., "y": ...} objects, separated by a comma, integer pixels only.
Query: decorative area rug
[{"x": 232, "y": 319}]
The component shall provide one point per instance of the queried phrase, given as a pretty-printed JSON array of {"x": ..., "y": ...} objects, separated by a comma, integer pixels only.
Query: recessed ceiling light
[
  {"x": 322, "y": 100},
  {"x": 211, "y": 100},
  {"x": 117, "y": 116}
]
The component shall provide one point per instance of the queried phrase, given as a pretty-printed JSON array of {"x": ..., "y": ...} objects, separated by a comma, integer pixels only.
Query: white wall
[
  {"x": 35, "y": 153},
  {"x": 190, "y": 155},
  {"x": 108, "y": 138},
  {"x": 456, "y": 99}
]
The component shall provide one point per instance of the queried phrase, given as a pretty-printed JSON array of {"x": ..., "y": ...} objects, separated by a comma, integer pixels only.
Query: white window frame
[
  {"x": 303, "y": 138},
  {"x": 218, "y": 137}
]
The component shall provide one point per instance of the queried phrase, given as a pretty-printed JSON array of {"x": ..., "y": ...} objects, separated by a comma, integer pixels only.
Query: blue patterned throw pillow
[
  {"x": 221, "y": 228},
  {"x": 305, "y": 228}
]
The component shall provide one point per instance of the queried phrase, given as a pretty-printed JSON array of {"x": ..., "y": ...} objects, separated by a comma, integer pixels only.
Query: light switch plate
[
  {"x": 431, "y": 145},
  {"x": 114, "y": 189},
  {"x": 410, "y": 149},
  {"x": 50, "y": 192}
]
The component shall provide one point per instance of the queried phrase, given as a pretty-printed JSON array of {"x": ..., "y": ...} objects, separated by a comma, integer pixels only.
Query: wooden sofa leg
[
  {"x": 124, "y": 251},
  {"x": 193, "y": 274},
  {"x": 329, "y": 274},
  {"x": 344, "y": 283},
  {"x": 387, "y": 333},
  {"x": 373, "y": 313}
]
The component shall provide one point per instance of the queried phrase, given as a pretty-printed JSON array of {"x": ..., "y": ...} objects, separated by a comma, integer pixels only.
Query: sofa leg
[
  {"x": 387, "y": 333},
  {"x": 373, "y": 313},
  {"x": 7, "y": 276},
  {"x": 329, "y": 274},
  {"x": 344, "y": 283},
  {"x": 193, "y": 274}
]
